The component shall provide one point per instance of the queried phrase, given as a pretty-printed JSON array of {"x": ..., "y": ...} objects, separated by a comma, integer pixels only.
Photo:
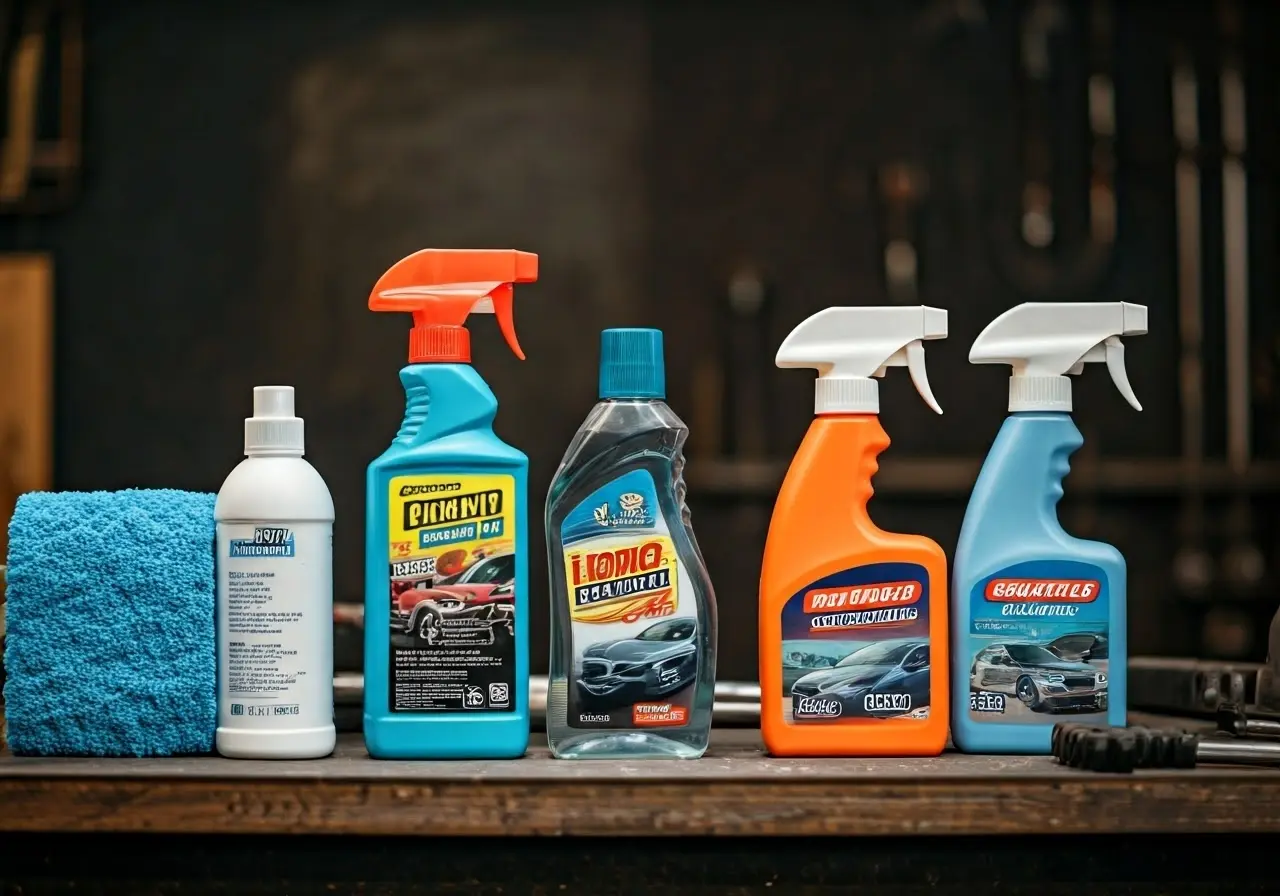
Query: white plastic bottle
[{"x": 275, "y": 593}]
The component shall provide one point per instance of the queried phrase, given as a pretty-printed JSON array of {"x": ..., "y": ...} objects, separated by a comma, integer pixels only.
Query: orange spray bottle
[{"x": 853, "y": 619}]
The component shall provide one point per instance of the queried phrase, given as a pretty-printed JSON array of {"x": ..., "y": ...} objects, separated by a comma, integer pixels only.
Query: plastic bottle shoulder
[
  {"x": 274, "y": 488},
  {"x": 477, "y": 447},
  {"x": 1012, "y": 513}
]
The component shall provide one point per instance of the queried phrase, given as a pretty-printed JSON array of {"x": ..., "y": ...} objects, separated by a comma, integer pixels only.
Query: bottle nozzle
[
  {"x": 1047, "y": 342},
  {"x": 849, "y": 346},
  {"x": 442, "y": 287},
  {"x": 273, "y": 401},
  {"x": 273, "y": 429}
]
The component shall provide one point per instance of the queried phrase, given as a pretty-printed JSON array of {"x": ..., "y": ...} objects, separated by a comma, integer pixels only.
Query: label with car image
[
  {"x": 855, "y": 647},
  {"x": 1038, "y": 639},
  {"x": 634, "y": 645},
  {"x": 451, "y": 582}
]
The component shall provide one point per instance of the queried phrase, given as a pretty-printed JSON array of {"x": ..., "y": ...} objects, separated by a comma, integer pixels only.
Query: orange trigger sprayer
[{"x": 443, "y": 287}]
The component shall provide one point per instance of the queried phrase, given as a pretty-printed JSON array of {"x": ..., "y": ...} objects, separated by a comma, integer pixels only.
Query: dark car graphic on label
[
  {"x": 881, "y": 680},
  {"x": 659, "y": 661},
  {"x": 796, "y": 664},
  {"x": 1041, "y": 680},
  {"x": 1083, "y": 647}
]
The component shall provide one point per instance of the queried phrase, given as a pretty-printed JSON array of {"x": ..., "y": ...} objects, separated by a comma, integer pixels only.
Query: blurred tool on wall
[
  {"x": 1061, "y": 251},
  {"x": 1230, "y": 629},
  {"x": 748, "y": 350},
  {"x": 902, "y": 190},
  {"x": 733, "y": 398},
  {"x": 1193, "y": 569},
  {"x": 40, "y": 158}
]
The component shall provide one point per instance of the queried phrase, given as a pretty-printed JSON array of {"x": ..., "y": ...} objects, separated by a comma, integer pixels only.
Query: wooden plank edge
[{"x": 709, "y": 808}]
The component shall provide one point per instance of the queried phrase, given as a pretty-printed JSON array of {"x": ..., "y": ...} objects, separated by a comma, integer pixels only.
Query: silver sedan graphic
[{"x": 1042, "y": 681}]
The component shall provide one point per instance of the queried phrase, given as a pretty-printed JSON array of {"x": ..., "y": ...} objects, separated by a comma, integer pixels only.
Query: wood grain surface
[{"x": 734, "y": 791}]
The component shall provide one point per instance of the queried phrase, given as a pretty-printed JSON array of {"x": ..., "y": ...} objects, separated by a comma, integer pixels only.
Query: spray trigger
[
  {"x": 501, "y": 302},
  {"x": 1047, "y": 342},
  {"x": 853, "y": 346},
  {"x": 1115, "y": 366},
  {"x": 442, "y": 287},
  {"x": 911, "y": 356},
  {"x": 919, "y": 376}
]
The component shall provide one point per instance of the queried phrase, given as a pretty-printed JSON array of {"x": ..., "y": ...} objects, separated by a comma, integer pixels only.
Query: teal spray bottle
[
  {"x": 1038, "y": 616},
  {"x": 446, "y": 658},
  {"x": 633, "y": 614}
]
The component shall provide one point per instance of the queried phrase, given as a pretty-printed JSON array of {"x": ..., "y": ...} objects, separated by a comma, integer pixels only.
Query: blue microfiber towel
[{"x": 110, "y": 602}]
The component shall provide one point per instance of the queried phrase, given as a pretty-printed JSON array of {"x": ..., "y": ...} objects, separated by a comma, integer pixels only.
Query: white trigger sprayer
[
  {"x": 850, "y": 345},
  {"x": 1046, "y": 341}
]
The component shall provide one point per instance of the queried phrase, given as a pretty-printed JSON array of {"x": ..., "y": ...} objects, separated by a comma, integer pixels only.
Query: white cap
[
  {"x": 1046, "y": 341},
  {"x": 273, "y": 429},
  {"x": 848, "y": 346}
]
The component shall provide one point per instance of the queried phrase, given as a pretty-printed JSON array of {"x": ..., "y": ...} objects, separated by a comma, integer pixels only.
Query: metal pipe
[
  {"x": 1227, "y": 751},
  {"x": 735, "y": 701}
]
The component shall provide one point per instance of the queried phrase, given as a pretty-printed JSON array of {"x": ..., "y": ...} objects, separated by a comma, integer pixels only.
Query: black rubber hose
[{"x": 1121, "y": 750}]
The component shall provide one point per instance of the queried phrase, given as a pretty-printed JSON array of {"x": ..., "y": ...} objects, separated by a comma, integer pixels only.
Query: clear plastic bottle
[{"x": 633, "y": 613}]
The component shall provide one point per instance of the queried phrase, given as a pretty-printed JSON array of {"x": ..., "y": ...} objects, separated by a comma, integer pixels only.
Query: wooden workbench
[
  {"x": 734, "y": 790},
  {"x": 734, "y": 822}
]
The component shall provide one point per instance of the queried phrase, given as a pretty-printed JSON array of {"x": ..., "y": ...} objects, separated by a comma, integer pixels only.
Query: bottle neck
[
  {"x": 439, "y": 344},
  {"x": 1039, "y": 393},
  {"x": 443, "y": 399},
  {"x": 1024, "y": 471},
  {"x": 274, "y": 437},
  {"x": 846, "y": 395},
  {"x": 839, "y": 452}
]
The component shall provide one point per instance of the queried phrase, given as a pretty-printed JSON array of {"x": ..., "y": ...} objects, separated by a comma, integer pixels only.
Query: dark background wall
[{"x": 252, "y": 168}]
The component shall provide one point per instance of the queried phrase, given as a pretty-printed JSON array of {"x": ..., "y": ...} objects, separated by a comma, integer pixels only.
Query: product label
[
  {"x": 452, "y": 588},
  {"x": 855, "y": 647},
  {"x": 275, "y": 625},
  {"x": 1038, "y": 639},
  {"x": 634, "y": 629}
]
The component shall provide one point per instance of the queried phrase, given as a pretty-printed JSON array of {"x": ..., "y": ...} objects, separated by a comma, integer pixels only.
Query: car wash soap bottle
[
  {"x": 633, "y": 614},
  {"x": 275, "y": 593},
  {"x": 853, "y": 619},
  {"x": 1039, "y": 632},
  {"x": 446, "y": 660}
]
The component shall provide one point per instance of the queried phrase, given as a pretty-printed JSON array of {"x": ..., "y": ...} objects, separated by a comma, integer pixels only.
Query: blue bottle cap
[{"x": 631, "y": 364}]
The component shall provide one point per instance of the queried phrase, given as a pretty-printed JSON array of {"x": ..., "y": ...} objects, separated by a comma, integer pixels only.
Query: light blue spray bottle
[
  {"x": 446, "y": 648},
  {"x": 1039, "y": 633}
]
